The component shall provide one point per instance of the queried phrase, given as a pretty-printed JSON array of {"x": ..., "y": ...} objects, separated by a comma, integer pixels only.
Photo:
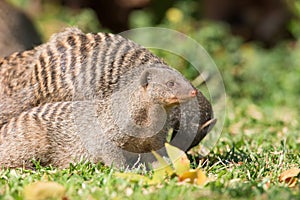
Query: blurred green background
[{"x": 250, "y": 70}]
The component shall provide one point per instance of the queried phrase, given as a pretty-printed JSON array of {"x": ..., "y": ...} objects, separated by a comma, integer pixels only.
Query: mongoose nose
[{"x": 194, "y": 93}]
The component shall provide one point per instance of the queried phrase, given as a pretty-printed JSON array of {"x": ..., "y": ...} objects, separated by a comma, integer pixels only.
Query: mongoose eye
[{"x": 170, "y": 83}]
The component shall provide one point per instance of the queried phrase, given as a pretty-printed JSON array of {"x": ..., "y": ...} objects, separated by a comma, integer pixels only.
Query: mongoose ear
[{"x": 144, "y": 80}]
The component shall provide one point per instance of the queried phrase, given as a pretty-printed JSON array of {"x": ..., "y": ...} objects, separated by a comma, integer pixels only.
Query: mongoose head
[{"x": 166, "y": 86}]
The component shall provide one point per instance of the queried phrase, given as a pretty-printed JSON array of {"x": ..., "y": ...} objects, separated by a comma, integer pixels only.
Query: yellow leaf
[
  {"x": 189, "y": 176},
  {"x": 201, "y": 177},
  {"x": 162, "y": 164},
  {"x": 193, "y": 176},
  {"x": 160, "y": 174},
  {"x": 290, "y": 176},
  {"x": 162, "y": 170},
  {"x": 179, "y": 159},
  {"x": 44, "y": 190}
]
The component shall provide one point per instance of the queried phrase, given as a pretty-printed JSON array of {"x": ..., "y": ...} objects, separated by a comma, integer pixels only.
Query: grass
[
  {"x": 244, "y": 166},
  {"x": 259, "y": 141}
]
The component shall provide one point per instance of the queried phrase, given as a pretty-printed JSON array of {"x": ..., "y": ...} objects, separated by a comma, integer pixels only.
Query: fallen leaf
[
  {"x": 290, "y": 176},
  {"x": 43, "y": 190},
  {"x": 162, "y": 164},
  {"x": 189, "y": 176},
  {"x": 193, "y": 176},
  {"x": 162, "y": 170},
  {"x": 201, "y": 177},
  {"x": 179, "y": 159}
]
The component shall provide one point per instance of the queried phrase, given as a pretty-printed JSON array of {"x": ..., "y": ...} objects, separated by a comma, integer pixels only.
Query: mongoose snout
[
  {"x": 193, "y": 93},
  {"x": 176, "y": 99},
  {"x": 180, "y": 99}
]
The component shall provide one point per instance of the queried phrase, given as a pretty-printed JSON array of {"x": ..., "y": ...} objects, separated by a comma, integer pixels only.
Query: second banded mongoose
[
  {"x": 17, "y": 32},
  {"x": 74, "y": 66},
  {"x": 112, "y": 131}
]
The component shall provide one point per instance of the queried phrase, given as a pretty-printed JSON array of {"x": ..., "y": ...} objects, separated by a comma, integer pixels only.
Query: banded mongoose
[
  {"x": 17, "y": 32},
  {"x": 63, "y": 132},
  {"x": 74, "y": 66}
]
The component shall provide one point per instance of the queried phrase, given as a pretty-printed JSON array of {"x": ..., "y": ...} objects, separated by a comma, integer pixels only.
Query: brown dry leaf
[
  {"x": 290, "y": 176},
  {"x": 254, "y": 112},
  {"x": 236, "y": 128},
  {"x": 43, "y": 190}
]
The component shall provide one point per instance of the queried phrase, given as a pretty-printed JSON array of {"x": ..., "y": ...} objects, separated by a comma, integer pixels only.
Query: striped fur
[
  {"x": 35, "y": 134},
  {"x": 74, "y": 66},
  {"x": 114, "y": 131},
  {"x": 71, "y": 66}
]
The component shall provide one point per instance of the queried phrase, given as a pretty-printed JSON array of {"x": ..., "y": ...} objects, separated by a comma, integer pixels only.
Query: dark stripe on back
[
  {"x": 113, "y": 76},
  {"x": 62, "y": 49},
  {"x": 83, "y": 51},
  {"x": 102, "y": 70},
  {"x": 52, "y": 67},
  {"x": 72, "y": 42},
  {"x": 36, "y": 80},
  {"x": 95, "y": 59},
  {"x": 43, "y": 76}
]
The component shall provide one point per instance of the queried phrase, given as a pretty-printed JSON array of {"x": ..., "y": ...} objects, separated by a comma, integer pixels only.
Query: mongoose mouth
[
  {"x": 173, "y": 100},
  {"x": 176, "y": 100}
]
